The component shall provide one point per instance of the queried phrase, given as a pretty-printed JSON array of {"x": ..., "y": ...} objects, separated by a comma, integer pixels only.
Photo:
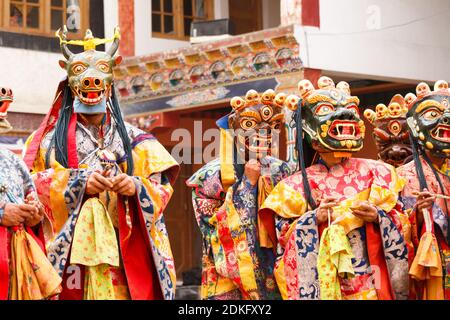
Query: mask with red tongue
[
  {"x": 6, "y": 97},
  {"x": 90, "y": 72},
  {"x": 331, "y": 117},
  {"x": 429, "y": 118}
]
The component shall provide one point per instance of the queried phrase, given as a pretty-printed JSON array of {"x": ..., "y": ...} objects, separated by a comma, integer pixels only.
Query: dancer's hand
[
  {"x": 252, "y": 171},
  {"x": 425, "y": 200},
  {"x": 326, "y": 204},
  {"x": 98, "y": 183},
  {"x": 15, "y": 214},
  {"x": 124, "y": 185},
  {"x": 365, "y": 211},
  {"x": 35, "y": 218}
]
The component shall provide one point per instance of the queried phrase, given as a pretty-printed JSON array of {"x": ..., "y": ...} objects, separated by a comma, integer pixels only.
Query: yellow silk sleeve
[
  {"x": 151, "y": 157},
  {"x": 285, "y": 201},
  {"x": 385, "y": 194}
]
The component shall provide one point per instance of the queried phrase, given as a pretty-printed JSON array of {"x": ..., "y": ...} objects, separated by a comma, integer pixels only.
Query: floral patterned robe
[
  {"x": 237, "y": 263},
  {"x": 439, "y": 214},
  {"x": 146, "y": 267},
  {"x": 15, "y": 185},
  {"x": 350, "y": 259}
]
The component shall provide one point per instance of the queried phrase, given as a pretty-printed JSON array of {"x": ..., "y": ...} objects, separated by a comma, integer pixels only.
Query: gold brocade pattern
[
  {"x": 427, "y": 267},
  {"x": 334, "y": 261},
  {"x": 32, "y": 276},
  {"x": 95, "y": 246}
]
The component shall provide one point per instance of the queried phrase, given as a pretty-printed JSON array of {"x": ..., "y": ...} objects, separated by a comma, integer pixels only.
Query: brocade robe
[
  {"x": 348, "y": 259},
  {"x": 237, "y": 263},
  {"x": 142, "y": 267},
  {"x": 438, "y": 287},
  {"x": 25, "y": 272}
]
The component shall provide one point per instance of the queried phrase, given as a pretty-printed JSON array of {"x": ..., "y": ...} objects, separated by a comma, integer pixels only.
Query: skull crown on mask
[
  {"x": 256, "y": 119},
  {"x": 428, "y": 117},
  {"x": 331, "y": 117},
  {"x": 391, "y": 131}
]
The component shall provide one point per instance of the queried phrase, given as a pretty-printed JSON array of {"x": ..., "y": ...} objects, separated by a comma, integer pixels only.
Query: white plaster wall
[
  {"x": 32, "y": 75},
  {"x": 111, "y": 14},
  {"x": 146, "y": 44},
  {"x": 395, "y": 39}
]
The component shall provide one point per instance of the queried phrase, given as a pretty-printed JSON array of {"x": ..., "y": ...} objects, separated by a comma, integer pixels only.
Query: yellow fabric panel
[
  {"x": 57, "y": 203},
  {"x": 95, "y": 246},
  {"x": 285, "y": 201},
  {"x": 281, "y": 279},
  {"x": 370, "y": 294},
  {"x": 343, "y": 216},
  {"x": 32, "y": 275},
  {"x": 226, "y": 159},
  {"x": 334, "y": 261},
  {"x": 98, "y": 283},
  {"x": 216, "y": 287},
  {"x": 94, "y": 240},
  {"x": 150, "y": 157},
  {"x": 245, "y": 261},
  {"x": 385, "y": 196},
  {"x": 427, "y": 266}
]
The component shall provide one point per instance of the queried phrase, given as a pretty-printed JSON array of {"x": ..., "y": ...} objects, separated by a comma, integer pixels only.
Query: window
[
  {"x": 173, "y": 18},
  {"x": 44, "y": 17}
]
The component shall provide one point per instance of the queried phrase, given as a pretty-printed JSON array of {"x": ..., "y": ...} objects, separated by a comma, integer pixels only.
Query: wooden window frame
[
  {"x": 44, "y": 19},
  {"x": 178, "y": 19}
]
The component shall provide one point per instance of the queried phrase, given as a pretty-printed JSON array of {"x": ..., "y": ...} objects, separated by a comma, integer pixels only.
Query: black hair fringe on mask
[
  {"x": 301, "y": 156},
  {"x": 122, "y": 130},
  {"x": 59, "y": 139}
]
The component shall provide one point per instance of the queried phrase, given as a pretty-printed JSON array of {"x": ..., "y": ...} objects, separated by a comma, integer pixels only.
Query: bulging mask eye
[
  {"x": 276, "y": 125},
  {"x": 78, "y": 68},
  {"x": 248, "y": 124},
  {"x": 431, "y": 114},
  {"x": 324, "y": 109},
  {"x": 266, "y": 113},
  {"x": 103, "y": 67}
]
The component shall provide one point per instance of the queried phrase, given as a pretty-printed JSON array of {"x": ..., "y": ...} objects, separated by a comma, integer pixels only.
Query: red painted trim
[
  {"x": 312, "y": 75},
  {"x": 376, "y": 258},
  {"x": 72, "y": 147},
  {"x": 311, "y": 13},
  {"x": 126, "y": 23},
  {"x": 140, "y": 270}
]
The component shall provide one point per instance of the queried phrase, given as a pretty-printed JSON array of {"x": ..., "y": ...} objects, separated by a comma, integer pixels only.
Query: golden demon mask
[
  {"x": 428, "y": 117},
  {"x": 330, "y": 116},
  {"x": 256, "y": 119},
  {"x": 90, "y": 73},
  {"x": 391, "y": 131},
  {"x": 6, "y": 97}
]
